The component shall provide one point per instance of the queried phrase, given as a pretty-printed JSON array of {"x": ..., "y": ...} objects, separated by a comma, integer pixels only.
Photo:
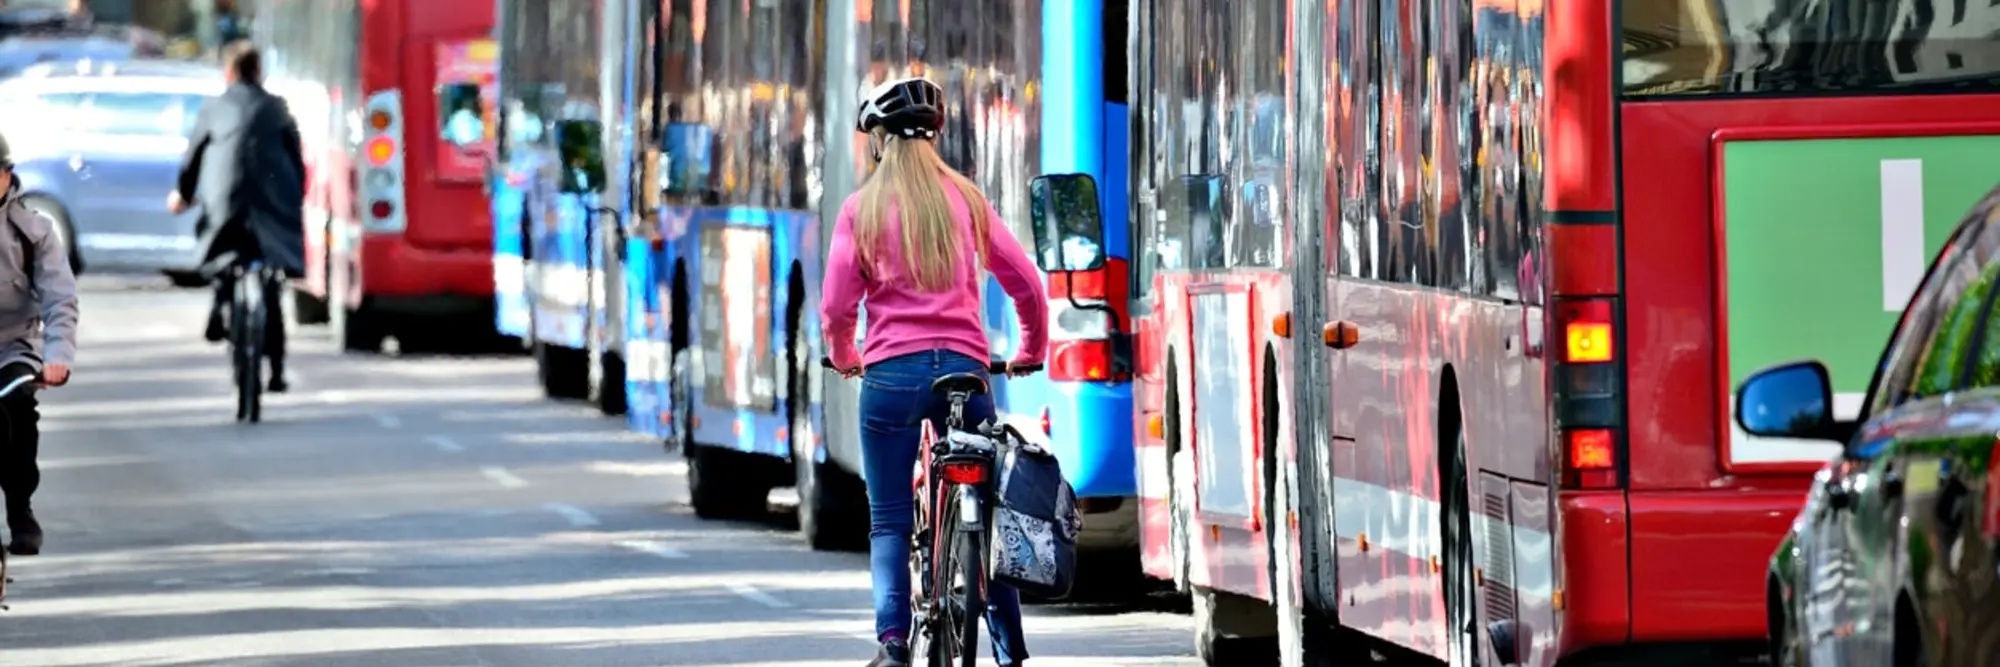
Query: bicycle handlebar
[
  {"x": 18, "y": 382},
  {"x": 994, "y": 367}
]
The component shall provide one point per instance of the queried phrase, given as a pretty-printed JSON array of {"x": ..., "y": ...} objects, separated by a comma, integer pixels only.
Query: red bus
[
  {"x": 1438, "y": 304},
  {"x": 395, "y": 101}
]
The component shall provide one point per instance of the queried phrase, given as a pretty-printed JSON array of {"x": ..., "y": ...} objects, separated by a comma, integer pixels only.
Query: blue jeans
[{"x": 896, "y": 398}]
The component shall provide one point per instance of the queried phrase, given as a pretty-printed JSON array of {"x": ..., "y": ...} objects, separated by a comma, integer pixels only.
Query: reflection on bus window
[
  {"x": 462, "y": 119},
  {"x": 1704, "y": 47}
]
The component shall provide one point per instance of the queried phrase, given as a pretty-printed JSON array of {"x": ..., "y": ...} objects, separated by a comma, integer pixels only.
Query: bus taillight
[
  {"x": 1088, "y": 360},
  {"x": 1588, "y": 392},
  {"x": 1088, "y": 340},
  {"x": 380, "y": 151},
  {"x": 1587, "y": 331}
]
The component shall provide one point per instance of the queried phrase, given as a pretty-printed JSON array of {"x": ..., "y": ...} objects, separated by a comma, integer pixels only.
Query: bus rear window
[{"x": 1680, "y": 48}]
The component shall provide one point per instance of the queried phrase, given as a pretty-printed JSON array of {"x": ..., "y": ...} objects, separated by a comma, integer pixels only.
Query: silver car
[{"x": 98, "y": 147}]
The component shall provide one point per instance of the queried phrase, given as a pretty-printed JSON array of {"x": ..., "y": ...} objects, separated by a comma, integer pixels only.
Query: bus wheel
[
  {"x": 1461, "y": 593},
  {"x": 564, "y": 372},
  {"x": 1232, "y": 630},
  {"x": 360, "y": 331},
  {"x": 719, "y": 486},
  {"x": 608, "y": 391}
]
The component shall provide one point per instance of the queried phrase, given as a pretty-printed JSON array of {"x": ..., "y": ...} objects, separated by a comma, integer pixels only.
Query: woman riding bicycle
[{"x": 915, "y": 241}]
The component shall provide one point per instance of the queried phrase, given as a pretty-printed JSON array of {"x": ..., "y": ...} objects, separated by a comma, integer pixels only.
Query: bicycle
[
  {"x": 6, "y": 428},
  {"x": 247, "y": 319},
  {"x": 955, "y": 490}
]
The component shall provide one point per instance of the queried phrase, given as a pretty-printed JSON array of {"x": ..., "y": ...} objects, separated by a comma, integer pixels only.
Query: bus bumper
[
  {"x": 1090, "y": 428},
  {"x": 1698, "y": 562},
  {"x": 393, "y": 268}
]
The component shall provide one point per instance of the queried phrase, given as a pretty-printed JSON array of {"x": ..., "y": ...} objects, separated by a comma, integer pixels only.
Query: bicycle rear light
[{"x": 964, "y": 472}]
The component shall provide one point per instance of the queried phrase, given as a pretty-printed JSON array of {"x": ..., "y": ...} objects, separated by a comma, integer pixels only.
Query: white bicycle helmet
[{"x": 912, "y": 107}]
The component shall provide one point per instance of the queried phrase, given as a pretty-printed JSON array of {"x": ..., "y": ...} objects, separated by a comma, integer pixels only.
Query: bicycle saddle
[{"x": 970, "y": 383}]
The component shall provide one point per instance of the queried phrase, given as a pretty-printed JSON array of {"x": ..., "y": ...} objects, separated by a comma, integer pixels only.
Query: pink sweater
[{"x": 902, "y": 319}]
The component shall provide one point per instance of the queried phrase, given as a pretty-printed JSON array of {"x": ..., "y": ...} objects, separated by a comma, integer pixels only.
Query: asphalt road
[{"x": 414, "y": 511}]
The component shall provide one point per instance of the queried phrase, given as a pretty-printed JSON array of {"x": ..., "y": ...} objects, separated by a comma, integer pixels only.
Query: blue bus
[
  {"x": 556, "y": 234},
  {"x": 732, "y": 151},
  {"x": 1083, "y": 404}
]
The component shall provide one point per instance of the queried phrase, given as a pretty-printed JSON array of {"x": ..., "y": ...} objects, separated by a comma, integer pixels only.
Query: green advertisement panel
[{"x": 1826, "y": 239}]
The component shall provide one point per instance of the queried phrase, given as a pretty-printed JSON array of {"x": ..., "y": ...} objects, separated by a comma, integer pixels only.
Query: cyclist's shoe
[
  {"x": 27, "y": 533},
  {"x": 216, "y": 331},
  {"x": 277, "y": 385},
  {"x": 894, "y": 653}
]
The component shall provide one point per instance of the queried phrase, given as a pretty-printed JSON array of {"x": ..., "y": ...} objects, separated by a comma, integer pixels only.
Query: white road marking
[
  {"x": 445, "y": 443},
  {"x": 654, "y": 547},
  {"x": 500, "y": 476},
  {"x": 387, "y": 420},
  {"x": 575, "y": 515},
  {"x": 748, "y": 592},
  {"x": 1903, "y": 256},
  {"x": 334, "y": 396}
]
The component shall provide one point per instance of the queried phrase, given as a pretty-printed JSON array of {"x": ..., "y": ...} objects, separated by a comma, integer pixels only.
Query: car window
[
  {"x": 190, "y": 110},
  {"x": 1917, "y": 361},
  {"x": 1985, "y": 363},
  {"x": 140, "y": 114},
  {"x": 44, "y": 110}
]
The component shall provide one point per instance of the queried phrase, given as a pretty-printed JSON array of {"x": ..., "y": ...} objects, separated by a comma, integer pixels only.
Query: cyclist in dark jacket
[
  {"x": 37, "y": 334},
  {"x": 245, "y": 166}
]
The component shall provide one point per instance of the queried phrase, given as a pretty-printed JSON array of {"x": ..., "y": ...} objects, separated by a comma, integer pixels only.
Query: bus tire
[
  {"x": 360, "y": 331},
  {"x": 608, "y": 391},
  {"x": 565, "y": 373},
  {"x": 718, "y": 487},
  {"x": 1179, "y": 513},
  {"x": 1216, "y": 639},
  {"x": 1461, "y": 594}
]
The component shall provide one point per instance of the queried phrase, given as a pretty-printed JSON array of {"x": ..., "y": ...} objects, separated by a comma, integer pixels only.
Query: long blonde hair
[{"x": 906, "y": 180}]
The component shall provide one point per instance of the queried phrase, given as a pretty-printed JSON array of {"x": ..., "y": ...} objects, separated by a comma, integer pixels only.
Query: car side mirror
[
  {"x": 1068, "y": 224},
  {"x": 1794, "y": 400}
]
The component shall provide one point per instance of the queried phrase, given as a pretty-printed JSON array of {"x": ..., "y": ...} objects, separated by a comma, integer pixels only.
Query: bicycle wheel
[
  {"x": 969, "y": 559},
  {"x": 246, "y": 333},
  {"x": 959, "y": 603},
  {"x": 258, "y": 311}
]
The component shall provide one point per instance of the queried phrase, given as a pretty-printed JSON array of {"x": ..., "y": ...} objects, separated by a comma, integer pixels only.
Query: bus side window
[
  {"x": 580, "y": 147},
  {"x": 461, "y": 115}
]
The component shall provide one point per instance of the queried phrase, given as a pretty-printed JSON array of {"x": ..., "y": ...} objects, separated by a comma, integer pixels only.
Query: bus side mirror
[
  {"x": 1069, "y": 227},
  {"x": 580, "y": 147}
]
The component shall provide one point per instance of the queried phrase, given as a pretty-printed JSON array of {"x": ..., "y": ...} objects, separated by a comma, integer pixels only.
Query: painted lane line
[
  {"x": 653, "y": 547},
  {"x": 573, "y": 514},
  {"x": 748, "y": 592},
  {"x": 444, "y": 442},
  {"x": 500, "y": 476},
  {"x": 387, "y": 420}
]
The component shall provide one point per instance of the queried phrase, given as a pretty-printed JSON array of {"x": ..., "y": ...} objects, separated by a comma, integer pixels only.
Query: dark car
[
  {"x": 1891, "y": 563},
  {"x": 103, "y": 153}
]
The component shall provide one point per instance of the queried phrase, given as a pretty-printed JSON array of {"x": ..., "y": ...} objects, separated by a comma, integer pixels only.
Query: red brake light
[
  {"x": 964, "y": 472},
  {"x": 1081, "y": 360},
  {"x": 1590, "y": 449},
  {"x": 1592, "y": 461},
  {"x": 381, "y": 210}
]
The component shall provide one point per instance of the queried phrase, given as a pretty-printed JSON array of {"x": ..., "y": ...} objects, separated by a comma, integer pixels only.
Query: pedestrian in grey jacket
[{"x": 37, "y": 335}]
